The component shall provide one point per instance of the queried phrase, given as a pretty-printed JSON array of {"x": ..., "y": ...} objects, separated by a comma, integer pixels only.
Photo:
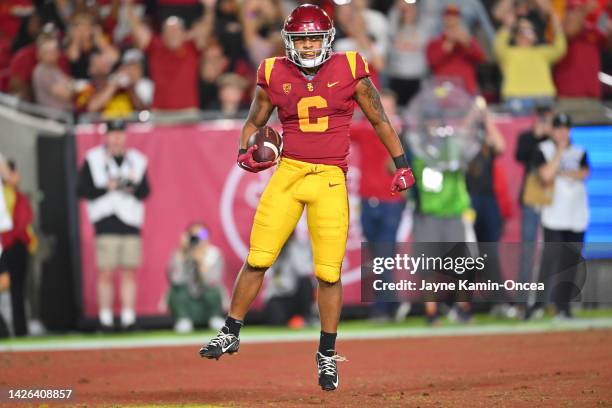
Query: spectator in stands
[
  {"x": 30, "y": 28},
  {"x": 576, "y": 75},
  {"x": 23, "y": 63},
  {"x": 52, "y": 87},
  {"x": 536, "y": 11},
  {"x": 228, "y": 31},
  {"x": 49, "y": 12},
  {"x": 139, "y": 88},
  {"x": 289, "y": 290},
  {"x": 483, "y": 183},
  {"x": 11, "y": 14},
  {"x": 173, "y": 58},
  {"x": 261, "y": 26},
  {"x": 525, "y": 65},
  {"x": 122, "y": 93},
  {"x": 481, "y": 186},
  {"x": 357, "y": 25},
  {"x": 114, "y": 182},
  {"x": 455, "y": 53},
  {"x": 563, "y": 166},
  {"x": 118, "y": 26},
  {"x": 187, "y": 10},
  {"x": 212, "y": 65},
  {"x": 17, "y": 243},
  {"x": 406, "y": 60},
  {"x": 195, "y": 272},
  {"x": 527, "y": 147},
  {"x": 473, "y": 13},
  {"x": 377, "y": 23},
  {"x": 99, "y": 71},
  {"x": 110, "y": 14},
  {"x": 231, "y": 96},
  {"x": 84, "y": 39}
]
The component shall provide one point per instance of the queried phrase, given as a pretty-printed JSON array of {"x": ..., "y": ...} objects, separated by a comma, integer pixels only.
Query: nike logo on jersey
[
  {"x": 334, "y": 185},
  {"x": 330, "y": 84}
]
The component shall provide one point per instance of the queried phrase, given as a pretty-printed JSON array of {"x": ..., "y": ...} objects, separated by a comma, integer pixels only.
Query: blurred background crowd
[
  {"x": 545, "y": 60},
  {"x": 116, "y": 57}
]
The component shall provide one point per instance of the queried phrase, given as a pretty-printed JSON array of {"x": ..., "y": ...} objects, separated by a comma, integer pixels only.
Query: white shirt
[{"x": 569, "y": 210}]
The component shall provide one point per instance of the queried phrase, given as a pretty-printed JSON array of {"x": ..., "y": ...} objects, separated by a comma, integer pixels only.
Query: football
[{"x": 269, "y": 144}]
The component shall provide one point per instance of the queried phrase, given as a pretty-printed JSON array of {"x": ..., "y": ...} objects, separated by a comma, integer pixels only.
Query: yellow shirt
[{"x": 527, "y": 70}]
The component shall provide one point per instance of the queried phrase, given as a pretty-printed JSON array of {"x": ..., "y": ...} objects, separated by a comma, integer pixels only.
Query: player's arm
[
  {"x": 259, "y": 113},
  {"x": 368, "y": 99}
]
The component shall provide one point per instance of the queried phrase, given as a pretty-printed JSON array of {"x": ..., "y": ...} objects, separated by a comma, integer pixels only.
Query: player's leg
[
  {"x": 277, "y": 214},
  {"x": 328, "y": 218},
  {"x": 245, "y": 290}
]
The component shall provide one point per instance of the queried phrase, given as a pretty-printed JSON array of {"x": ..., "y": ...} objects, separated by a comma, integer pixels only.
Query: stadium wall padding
[
  {"x": 55, "y": 171},
  {"x": 193, "y": 176}
]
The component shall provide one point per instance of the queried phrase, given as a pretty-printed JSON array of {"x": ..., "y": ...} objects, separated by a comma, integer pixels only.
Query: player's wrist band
[
  {"x": 401, "y": 162},
  {"x": 242, "y": 151}
]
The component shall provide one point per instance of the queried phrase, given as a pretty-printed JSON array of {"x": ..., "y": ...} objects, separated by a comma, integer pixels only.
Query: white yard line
[{"x": 350, "y": 334}]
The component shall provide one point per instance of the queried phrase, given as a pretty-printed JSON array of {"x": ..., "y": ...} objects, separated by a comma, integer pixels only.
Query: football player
[{"x": 315, "y": 91}]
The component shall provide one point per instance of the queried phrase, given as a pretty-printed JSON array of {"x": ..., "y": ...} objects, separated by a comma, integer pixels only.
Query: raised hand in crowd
[
  {"x": 141, "y": 34},
  {"x": 544, "y": 6}
]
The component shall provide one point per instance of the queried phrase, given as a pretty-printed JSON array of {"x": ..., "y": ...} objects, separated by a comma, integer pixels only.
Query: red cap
[{"x": 452, "y": 10}]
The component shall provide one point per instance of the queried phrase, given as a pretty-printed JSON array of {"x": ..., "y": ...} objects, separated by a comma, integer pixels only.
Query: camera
[{"x": 194, "y": 240}]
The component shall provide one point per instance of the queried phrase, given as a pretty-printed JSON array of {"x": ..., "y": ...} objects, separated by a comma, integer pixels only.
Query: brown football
[{"x": 269, "y": 144}]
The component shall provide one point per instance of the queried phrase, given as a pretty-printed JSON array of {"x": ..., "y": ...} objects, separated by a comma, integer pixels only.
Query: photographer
[
  {"x": 113, "y": 179},
  {"x": 195, "y": 273}
]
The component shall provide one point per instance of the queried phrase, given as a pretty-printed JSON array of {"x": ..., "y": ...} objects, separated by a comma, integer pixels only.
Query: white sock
[
  {"x": 106, "y": 317},
  {"x": 128, "y": 317}
]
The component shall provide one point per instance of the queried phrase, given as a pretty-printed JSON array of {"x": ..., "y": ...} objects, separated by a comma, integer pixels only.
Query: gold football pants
[{"x": 295, "y": 184}]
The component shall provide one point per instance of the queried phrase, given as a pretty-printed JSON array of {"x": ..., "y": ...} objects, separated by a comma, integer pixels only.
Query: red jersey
[
  {"x": 576, "y": 73},
  {"x": 460, "y": 62},
  {"x": 315, "y": 113},
  {"x": 175, "y": 74}
]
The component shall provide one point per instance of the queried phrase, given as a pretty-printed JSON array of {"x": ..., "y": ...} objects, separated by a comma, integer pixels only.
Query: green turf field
[{"x": 413, "y": 326}]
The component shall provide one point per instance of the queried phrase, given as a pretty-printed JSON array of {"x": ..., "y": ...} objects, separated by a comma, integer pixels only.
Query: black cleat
[
  {"x": 328, "y": 372},
  {"x": 222, "y": 343}
]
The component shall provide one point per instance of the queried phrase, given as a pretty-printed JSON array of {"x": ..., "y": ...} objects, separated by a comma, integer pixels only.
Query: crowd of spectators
[{"x": 115, "y": 57}]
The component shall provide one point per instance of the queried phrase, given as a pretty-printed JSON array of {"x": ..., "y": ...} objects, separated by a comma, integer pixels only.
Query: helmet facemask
[{"x": 321, "y": 55}]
